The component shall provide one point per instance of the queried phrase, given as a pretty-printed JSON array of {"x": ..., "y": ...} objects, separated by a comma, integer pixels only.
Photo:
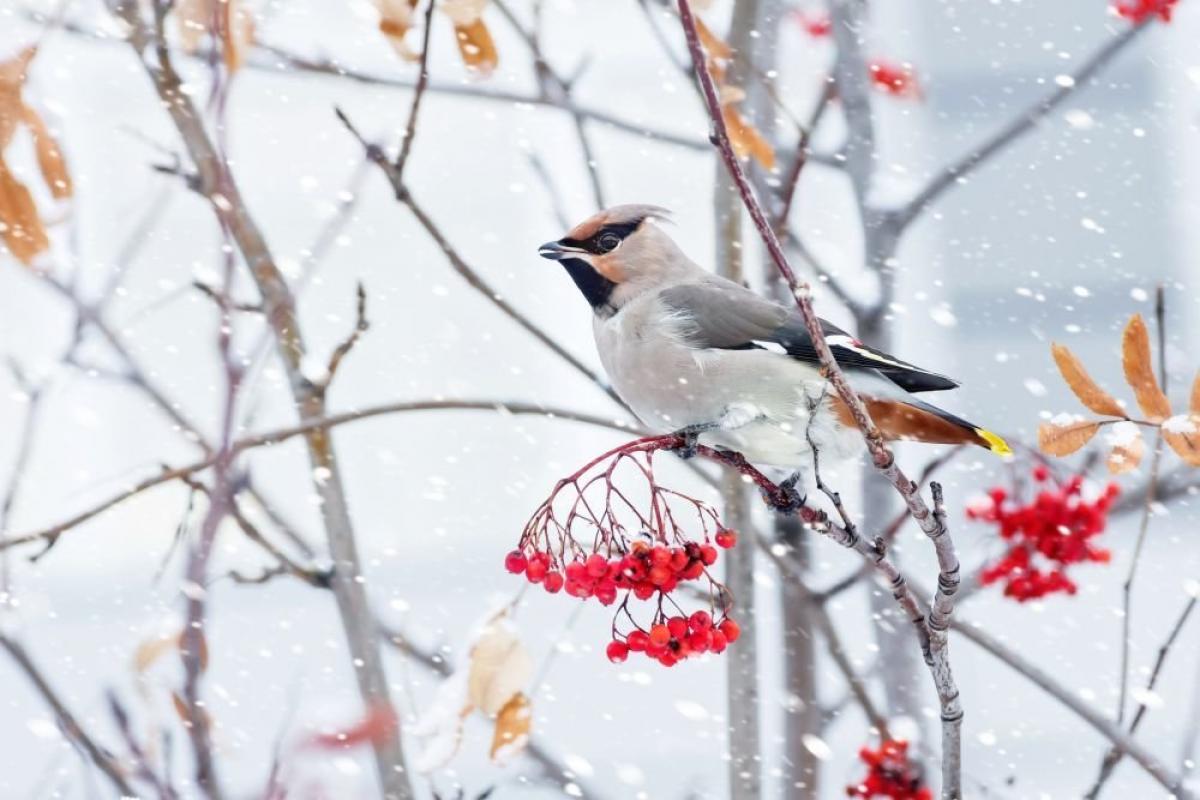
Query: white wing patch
[
  {"x": 854, "y": 346},
  {"x": 771, "y": 347}
]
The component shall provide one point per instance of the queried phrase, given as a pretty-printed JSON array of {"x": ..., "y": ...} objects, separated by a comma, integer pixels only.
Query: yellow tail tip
[{"x": 994, "y": 442}]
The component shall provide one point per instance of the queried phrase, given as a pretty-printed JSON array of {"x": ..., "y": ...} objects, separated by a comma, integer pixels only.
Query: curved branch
[
  {"x": 50, "y": 535},
  {"x": 1022, "y": 124}
]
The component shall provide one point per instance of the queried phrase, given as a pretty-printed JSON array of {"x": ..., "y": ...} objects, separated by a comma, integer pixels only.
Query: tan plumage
[{"x": 688, "y": 349}]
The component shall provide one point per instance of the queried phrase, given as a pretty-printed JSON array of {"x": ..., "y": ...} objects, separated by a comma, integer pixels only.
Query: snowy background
[{"x": 1061, "y": 238}]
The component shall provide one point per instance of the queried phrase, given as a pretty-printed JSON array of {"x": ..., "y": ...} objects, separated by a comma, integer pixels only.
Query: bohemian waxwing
[{"x": 692, "y": 351}]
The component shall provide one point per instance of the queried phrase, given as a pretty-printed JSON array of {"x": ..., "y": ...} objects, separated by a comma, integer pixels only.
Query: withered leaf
[
  {"x": 1194, "y": 403},
  {"x": 1081, "y": 383},
  {"x": 13, "y": 73},
  {"x": 714, "y": 45},
  {"x": 746, "y": 140},
  {"x": 500, "y": 667},
  {"x": 1128, "y": 449},
  {"x": 227, "y": 21},
  {"x": 1139, "y": 370},
  {"x": 1182, "y": 433},
  {"x": 476, "y": 46},
  {"x": 20, "y": 225},
  {"x": 463, "y": 12},
  {"x": 49, "y": 156},
  {"x": 395, "y": 21},
  {"x": 513, "y": 724},
  {"x": 1062, "y": 440},
  {"x": 150, "y": 650},
  {"x": 181, "y": 710}
]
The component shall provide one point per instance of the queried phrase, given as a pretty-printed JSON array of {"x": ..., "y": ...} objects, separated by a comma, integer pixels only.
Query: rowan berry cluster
[
  {"x": 1045, "y": 535},
  {"x": 591, "y": 540},
  {"x": 890, "y": 774}
]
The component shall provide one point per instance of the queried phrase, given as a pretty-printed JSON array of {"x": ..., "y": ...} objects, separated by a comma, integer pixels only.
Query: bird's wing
[{"x": 725, "y": 316}]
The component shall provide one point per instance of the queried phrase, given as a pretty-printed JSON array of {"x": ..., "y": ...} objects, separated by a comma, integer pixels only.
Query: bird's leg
[
  {"x": 690, "y": 434},
  {"x": 792, "y": 499}
]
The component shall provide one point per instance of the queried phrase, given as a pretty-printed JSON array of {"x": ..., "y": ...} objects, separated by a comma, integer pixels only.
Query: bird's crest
[{"x": 631, "y": 214}]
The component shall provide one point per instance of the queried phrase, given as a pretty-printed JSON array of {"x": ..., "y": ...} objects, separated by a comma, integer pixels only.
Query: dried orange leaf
[
  {"x": 20, "y": 226},
  {"x": 1139, "y": 370},
  {"x": 151, "y": 650},
  {"x": 181, "y": 710},
  {"x": 746, "y": 140},
  {"x": 476, "y": 46},
  {"x": 1128, "y": 447},
  {"x": 1182, "y": 433},
  {"x": 194, "y": 19},
  {"x": 1086, "y": 389},
  {"x": 1194, "y": 403},
  {"x": 395, "y": 21},
  {"x": 1057, "y": 439},
  {"x": 237, "y": 33},
  {"x": 714, "y": 45},
  {"x": 513, "y": 724},
  {"x": 49, "y": 156},
  {"x": 13, "y": 73},
  {"x": 500, "y": 667}
]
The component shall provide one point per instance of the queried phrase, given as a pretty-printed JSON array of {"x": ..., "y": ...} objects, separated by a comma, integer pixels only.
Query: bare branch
[
  {"x": 1114, "y": 755},
  {"x": 48, "y": 536},
  {"x": 1023, "y": 123},
  {"x": 71, "y": 728},
  {"x": 410, "y": 128},
  {"x": 361, "y": 325}
]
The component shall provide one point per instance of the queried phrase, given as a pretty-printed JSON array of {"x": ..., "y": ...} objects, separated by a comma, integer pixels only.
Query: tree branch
[{"x": 954, "y": 173}]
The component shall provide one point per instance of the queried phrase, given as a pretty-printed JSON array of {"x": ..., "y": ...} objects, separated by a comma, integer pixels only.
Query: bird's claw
[
  {"x": 787, "y": 500},
  {"x": 691, "y": 440}
]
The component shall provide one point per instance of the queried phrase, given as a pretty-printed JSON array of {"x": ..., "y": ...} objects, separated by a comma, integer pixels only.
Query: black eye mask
[{"x": 605, "y": 240}]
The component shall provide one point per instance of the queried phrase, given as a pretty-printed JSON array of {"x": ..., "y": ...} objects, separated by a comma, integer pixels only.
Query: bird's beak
[{"x": 554, "y": 251}]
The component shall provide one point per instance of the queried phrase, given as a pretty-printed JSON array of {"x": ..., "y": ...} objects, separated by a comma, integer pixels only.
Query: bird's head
[{"x": 617, "y": 253}]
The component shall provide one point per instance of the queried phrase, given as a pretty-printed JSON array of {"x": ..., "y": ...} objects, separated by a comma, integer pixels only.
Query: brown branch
[
  {"x": 361, "y": 325},
  {"x": 931, "y": 522},
  {"x": 1070, "y": 698},
  {"x": 954, "y": 173},
  {"x": 468, "y": 273},
  {"x": 410, "y": 128},
  {"x": 1114, "y": 755},
  {"x": 1147, "y": 512},
  {"x": 48, "y": 536},
  {"x": 221, "y": 189},
  {"x": 70, "y": 726}
]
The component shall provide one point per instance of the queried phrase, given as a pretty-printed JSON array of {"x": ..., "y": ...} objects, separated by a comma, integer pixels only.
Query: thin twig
[
  {"x": 1114, "y": 755},
  {"x": 48, "y": 536},
  {"x": 954, "y": 173},
  {"x": 931, "y": 522},
  {"x": 410, "y": 128},
  {"x": 1147, "y": 513},
  {"x": 67, "y": 721}
]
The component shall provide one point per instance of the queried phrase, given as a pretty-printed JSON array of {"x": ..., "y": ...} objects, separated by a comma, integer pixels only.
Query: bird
[{"x": 694, "y": 353}]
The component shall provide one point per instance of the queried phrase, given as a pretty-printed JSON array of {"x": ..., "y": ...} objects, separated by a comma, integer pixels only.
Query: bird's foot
[
  {"x": 690, "y": 435},
  {"x": 788, "y": 500}
]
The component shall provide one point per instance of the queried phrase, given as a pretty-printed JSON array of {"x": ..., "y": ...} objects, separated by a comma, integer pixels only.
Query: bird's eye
[{"x": 608, "y": 242}]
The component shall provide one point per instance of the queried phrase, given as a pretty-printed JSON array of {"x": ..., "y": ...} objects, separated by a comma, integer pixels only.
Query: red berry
[
  {"x": 660, "y": 635},
  {"x": 537, "y": 569},
  {"x": 553, "y": 582},
  {"x": 515, "y": 562},
  {"x": 644, "y": 591},
  {"x": 668, "y": 659},
  {"x": 678, "y": 627},
  {"x": 660, "y": 556},
  {"x": 726, "y": 538},
  {"x": 1040, "y": 473},
  {"x": 731, "y": 630},
  {"x": 638, "y": 641},
  {"x": 700, "y": 620},
  {"x": 708, "y": 554},
  {"x": 701, "y": 641},
  {"x": 679, "y": 560},
  {"x": 597, "y": 565},
  {"x": 576, "y": 571},
  {"x": 719, "y": 642},
  {"x": 693, "y": 571},
  {"x": 617, "y": 651},
  {"x": 606, "y": 593},
  {"x": 659, "y": 575}
]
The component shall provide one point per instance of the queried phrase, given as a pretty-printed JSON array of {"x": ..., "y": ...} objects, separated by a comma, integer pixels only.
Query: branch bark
[{"x": 218, "y": 184}]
